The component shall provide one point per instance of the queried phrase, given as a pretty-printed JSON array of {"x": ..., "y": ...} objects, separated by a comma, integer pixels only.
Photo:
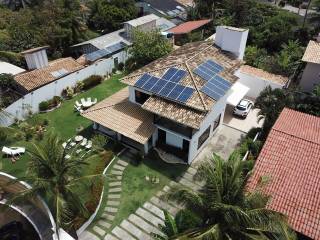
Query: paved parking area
[
  {"x": 223, "y": 143},
  {"x": 239, "y": 123}
]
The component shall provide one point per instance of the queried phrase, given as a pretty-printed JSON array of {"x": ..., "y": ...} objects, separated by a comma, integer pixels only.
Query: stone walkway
[
  {"x": 145, "y": 221},
  {"x": 99, "y": 228}
]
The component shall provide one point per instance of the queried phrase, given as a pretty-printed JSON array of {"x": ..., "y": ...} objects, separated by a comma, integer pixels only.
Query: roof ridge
[{"x": 292, "y": 135}]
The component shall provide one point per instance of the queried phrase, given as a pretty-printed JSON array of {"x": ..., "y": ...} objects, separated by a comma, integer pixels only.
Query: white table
[
  {"x": 78, "y": 138},
  {"x": 86, "y": 104}
]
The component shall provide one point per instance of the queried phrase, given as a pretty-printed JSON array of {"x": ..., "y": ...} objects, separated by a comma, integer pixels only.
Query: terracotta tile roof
[
  {"x": 264, "y": 74},
  {"x": 186, "y": 3},
  {"x": 290, "y": 160},
  {"x": 187, "y": 58},
  {"x": 122, "y": 116},
  {"x": 312, "y": 53},
  {"x": 188, "y": 26},
  {"x": 175, "y": 112},
  {"x": 39, "y": 77}
]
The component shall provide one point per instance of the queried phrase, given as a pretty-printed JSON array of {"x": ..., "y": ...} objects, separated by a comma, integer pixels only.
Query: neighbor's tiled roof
[
  {"x": 39, "y": 77},
  {"x": 264, "y": 74},
  {"x": 290, "y": 160},
  {"x": 312, "y": 53},
  {"x": 189, "y": 57},
  {"x": 186, "y": 3},
  {"x": 179, "y": 113},
  {"x": 120, "y": 115},
  {"x": 188, "y": 26}
]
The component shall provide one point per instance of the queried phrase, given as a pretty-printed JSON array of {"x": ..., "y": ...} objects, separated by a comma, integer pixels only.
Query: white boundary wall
[{"x": 19, "y": 109}]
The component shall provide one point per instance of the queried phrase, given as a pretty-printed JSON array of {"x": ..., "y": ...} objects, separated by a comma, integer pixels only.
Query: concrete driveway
[
  {"x": 241, "y": 124},
  {"x": 223, "y": 143}
]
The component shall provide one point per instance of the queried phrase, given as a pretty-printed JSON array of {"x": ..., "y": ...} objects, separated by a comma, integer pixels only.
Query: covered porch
[{"x": 123, "y": 120}]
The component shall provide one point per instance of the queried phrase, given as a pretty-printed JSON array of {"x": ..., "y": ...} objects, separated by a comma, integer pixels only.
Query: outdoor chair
[
  {"x": 89, "y": 99},
  {"x": 89, "y": 145},
  {"x": 83, "y": 101},
  {"x": 94, "y": 101},
  {"x": 12, "y": 151},
  {"x": 84, "y": 142},
  {"x": 64, "y": 145},
  {"x": 78, "y": 104}
]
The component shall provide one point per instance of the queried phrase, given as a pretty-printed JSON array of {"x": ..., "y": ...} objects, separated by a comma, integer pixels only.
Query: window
[
  {"x": 204, "y": 137},
  {"x": 141, "y": 97},
  {"x": 216, "y": 123}
]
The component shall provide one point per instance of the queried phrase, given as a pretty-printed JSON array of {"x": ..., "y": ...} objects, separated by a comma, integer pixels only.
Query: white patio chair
[
  {"x": 94, "y": 101},
  {"x": 89, "y": 145},
  {"x": 83, "y": 101},
  {"x": 67, "y": 156},
  {"x": 13, "y": 150},
  {"x": 72, "y": 144},
  {"x": 7, "y": 151},
  {"x": 79, "y": 151},
  {"x": 84, "y": 142},
  {"x": 78, "y": 104},
  {"x": 89, "y": 99},
  {"x": 64, "y": 145}
]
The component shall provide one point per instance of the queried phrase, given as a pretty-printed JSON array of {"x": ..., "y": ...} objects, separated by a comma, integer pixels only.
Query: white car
[{"x": 243, "y": 108}]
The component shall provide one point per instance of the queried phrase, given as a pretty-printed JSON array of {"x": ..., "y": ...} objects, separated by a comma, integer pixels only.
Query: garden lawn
[
  {"x": 63, "y": 121},
  {"x": 136, "y": 190}
]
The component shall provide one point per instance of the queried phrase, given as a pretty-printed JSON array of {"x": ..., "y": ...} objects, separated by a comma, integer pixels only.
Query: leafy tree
[
  {"x": 107, "y": 16},
  {"x": 227, "y": 212},
  {"x": 56, "y": 178},
  {"x": 6, "y": 81},
  {"x": 148, "y": 46}
]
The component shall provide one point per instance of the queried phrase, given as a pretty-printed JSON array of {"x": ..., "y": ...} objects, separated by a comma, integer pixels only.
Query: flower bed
[{"x": 50, "y": 105}]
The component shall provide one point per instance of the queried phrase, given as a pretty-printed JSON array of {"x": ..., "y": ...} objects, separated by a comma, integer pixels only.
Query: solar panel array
[
  {"x": 216, "y": 87},
  {"x": 167, "y": 86},
  {"x": 105, "y": 52},
  {"x": 208, "y": 70}
]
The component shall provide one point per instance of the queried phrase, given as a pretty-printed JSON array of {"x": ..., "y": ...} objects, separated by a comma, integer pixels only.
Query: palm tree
[
  {"x": 55, "y": 175},
  {"x": 227, "y": 212},
  {"x": 169, "y": 229}
]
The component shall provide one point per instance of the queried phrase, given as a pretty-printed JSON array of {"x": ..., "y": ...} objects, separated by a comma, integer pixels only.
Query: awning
[{"x": 238, "y": 91}]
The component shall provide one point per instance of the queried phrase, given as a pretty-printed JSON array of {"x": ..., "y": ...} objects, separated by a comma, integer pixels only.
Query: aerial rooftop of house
[
  {"x": 257, "y": 72},
  {"x": 9, "y": 68},
  {"x": 289, "y": 165},
  {"x": 312, "y": 53},
  {"x": 188, "y": 27}
]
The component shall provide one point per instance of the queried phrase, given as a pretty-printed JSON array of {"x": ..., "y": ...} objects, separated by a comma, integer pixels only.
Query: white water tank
[
  {"x": 232, "y": 39},
  {"x": 36, "y": 58}
]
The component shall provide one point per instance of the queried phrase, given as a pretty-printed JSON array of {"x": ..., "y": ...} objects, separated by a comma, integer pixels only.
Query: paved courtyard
[{"x": 239, "y": 123}]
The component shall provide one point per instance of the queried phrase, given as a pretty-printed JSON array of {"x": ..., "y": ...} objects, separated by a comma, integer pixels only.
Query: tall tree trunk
[{"x": 306, "y": 14}]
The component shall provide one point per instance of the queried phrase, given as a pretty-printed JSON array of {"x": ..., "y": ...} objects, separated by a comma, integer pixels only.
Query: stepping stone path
[
  {"x": 99, "y": 228},
  {"x": 145, "y": 221}
]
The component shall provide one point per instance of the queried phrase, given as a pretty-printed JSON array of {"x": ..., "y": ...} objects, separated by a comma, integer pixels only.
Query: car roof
[{"x": 244, "y": 102}]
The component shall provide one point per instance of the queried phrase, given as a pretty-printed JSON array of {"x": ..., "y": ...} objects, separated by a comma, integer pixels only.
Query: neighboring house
[
  {"x": 180, "y": 32},
  {"x": 175, "y": 103},
  {"x": 311, "y": 73},
  {"x": 9, "y": 68},
  {"x": 114, "y": 45},
  {"x": 173, "y": 9},
  {"x": 287, "y": 170},
  {"x": 42, "y": 72}
]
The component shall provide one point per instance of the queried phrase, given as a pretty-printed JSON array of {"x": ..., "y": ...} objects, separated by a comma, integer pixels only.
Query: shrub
[
  {"x": 91, "y": 81},
  {"x": 3, "y": 137},
  {"x": 43, "y": 106},
  {"x": 99, "y": 142},
  {"x": 186, "y": 219},
  {"x": 137, "y": 159},
  {"x": 56, "y": 100},
  {"x": 114, "y": 70},
  {"x": 79, "y": 86},
  {"x": 121, "y": 66},
  {"x": 45, "y": 122}
]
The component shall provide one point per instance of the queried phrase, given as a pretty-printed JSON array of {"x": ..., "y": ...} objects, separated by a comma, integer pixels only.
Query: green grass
[
  {"x": 64, "y": 122},
  {"x": 136, "y": 190}
]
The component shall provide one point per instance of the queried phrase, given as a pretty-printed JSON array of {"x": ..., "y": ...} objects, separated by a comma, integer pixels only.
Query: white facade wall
[
  {"x": 218, "y": 108},
  {"x": 310, "y": 77},
  {"x": 255, "y": 84},
  {"x": 30, "y": 101}
]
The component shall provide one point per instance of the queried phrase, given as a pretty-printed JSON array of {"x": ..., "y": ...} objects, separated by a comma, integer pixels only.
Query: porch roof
[{"x": 120, "y": 115}]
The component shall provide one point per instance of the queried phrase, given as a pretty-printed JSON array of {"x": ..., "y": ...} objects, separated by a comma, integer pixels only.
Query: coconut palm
[
  {"x": 227, "y": 212},
  {"x": 55, "y": 175}
]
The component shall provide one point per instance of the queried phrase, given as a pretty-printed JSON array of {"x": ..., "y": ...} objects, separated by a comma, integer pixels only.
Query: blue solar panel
[
  {"x": 142, "y": 80},
  {"x": 150, "y": 83},
  {"x": 208, "y": 70},
  {"x": 176, "y": 91},
  {"x": 174, "y": 75},
  {"x": 185, "y": 94},
  {"x": 158, "y": 86},
  {"x": 216, "y": 87},
  {"x": 167, "y": 89},
  {"x": 116, "y": 47}
]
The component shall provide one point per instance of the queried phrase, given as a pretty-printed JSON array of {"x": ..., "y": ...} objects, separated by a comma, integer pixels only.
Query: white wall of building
[
  {"x": 255, "y": 84},
  {"x": 20, "y": 108},
  {"x": 310, "y": 77}
]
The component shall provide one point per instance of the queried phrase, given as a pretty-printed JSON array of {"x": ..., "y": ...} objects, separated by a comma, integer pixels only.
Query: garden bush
[
  {"x": 121, "y": 66},
  {"x": 79, "y": 86},
  {"x": 137, "y": 159},
  {"x": 43, "y": 106},
  {"x": 99, "y": 142},
  {"x": 91, "y": 81}
]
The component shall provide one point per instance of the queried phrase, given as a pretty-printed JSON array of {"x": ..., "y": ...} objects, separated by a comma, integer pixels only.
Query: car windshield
[{"x": 241, "y": 108}]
